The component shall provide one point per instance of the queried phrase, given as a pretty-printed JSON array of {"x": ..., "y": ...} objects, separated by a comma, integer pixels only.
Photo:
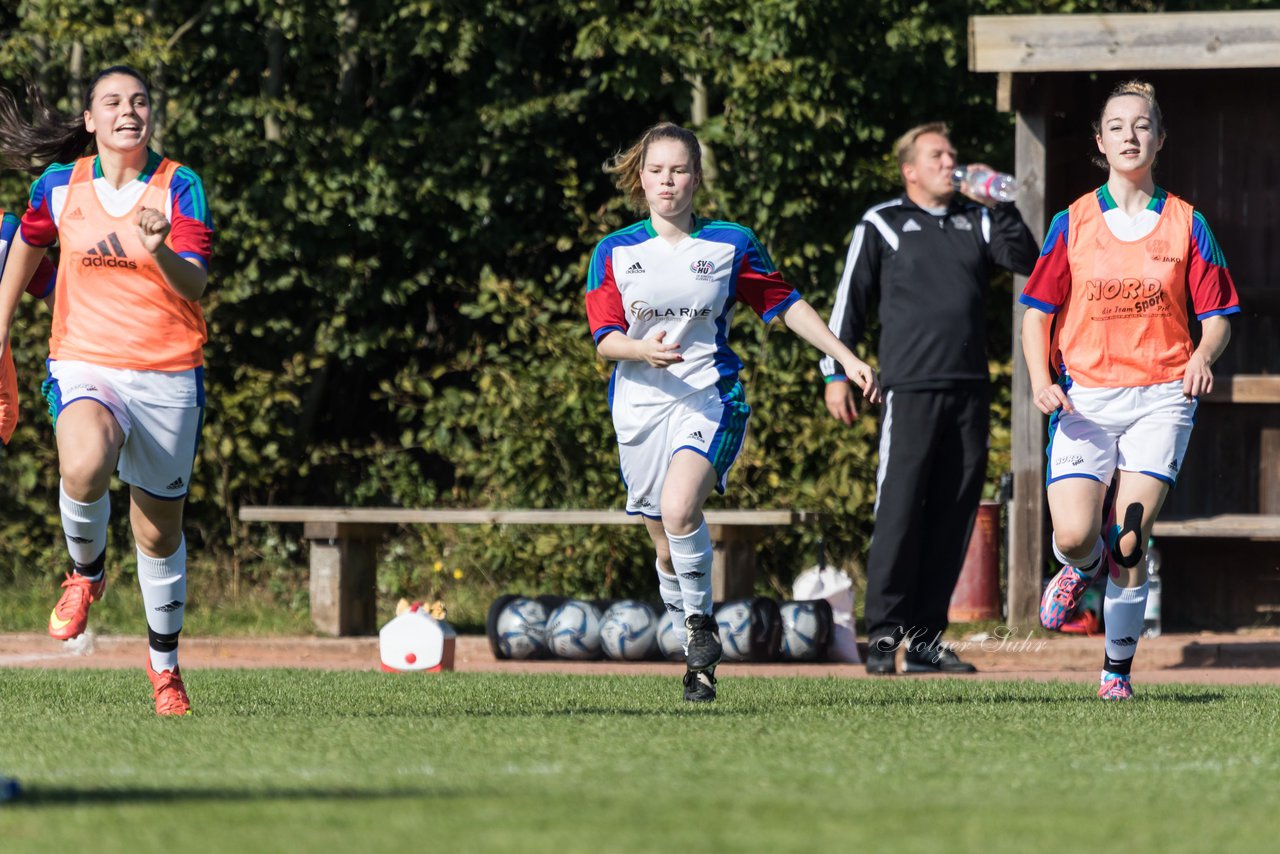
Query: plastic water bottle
[
  {"x": 986, "y": 182},
  {"x": 1151, "y": 616}
]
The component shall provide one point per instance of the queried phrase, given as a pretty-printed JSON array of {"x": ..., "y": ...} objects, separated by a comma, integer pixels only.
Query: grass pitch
[{"x": 311, "y": 761}]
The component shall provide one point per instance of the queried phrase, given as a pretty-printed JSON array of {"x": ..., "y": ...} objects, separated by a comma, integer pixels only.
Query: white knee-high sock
[
  {"x": 1122, "y": 611},
  {"x": 164, "y": 595},
  {"x": 673, "y": 600},
  {"x": 691, "y": 557},
  {"x": 1089, "y": 564},
  {"x": 85, "y": 527}
]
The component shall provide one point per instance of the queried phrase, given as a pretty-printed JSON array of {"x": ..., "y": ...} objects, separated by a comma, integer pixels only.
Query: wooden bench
[
  {"x": 1242, "y": 526},
  {"x": 1220, "y": 568},
  {"x": 1236, "y": 389},
  {"x": 344, "y": 542}
]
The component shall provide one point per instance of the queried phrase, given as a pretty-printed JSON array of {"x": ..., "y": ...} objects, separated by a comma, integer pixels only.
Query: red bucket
[{"x": 977, "y": 593}]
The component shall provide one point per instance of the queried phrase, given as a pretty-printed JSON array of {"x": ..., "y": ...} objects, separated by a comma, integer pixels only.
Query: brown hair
[
  {"x": 626, "y": 166},
  {"x": 50, "y": 136},
  {"x": 1139, "y": 89},
  {"x": 904, "y": 148}
]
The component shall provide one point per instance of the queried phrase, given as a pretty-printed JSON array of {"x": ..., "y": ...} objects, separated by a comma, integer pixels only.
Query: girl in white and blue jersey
[{"x": 660, "y": 297}]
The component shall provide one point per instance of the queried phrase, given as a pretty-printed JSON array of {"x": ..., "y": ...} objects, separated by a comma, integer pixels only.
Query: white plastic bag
[{"x": 834, "y": 585}]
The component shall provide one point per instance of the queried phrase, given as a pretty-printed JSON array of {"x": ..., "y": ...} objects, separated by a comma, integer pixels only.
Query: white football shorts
[
  {"x": 1141, "y": 429},
  {"x": 709, "y": 422},
  {"x": 160, "y": 413}
]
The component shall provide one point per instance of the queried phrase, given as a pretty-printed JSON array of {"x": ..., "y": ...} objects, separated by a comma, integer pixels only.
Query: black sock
[
  {"x": 92, "y": 571},
  {"x": 1116, "y": 665}
]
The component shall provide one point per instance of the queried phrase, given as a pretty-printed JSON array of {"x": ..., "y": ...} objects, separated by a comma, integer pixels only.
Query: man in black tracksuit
[{"x": 925, "y": 261}]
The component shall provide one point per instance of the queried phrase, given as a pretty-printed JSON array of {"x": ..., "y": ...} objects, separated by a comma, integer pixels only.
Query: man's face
[{"x": 931, "y": 167}]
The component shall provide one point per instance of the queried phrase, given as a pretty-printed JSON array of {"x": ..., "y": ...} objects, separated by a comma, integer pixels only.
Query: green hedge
[{"x": 406, "y": 195}]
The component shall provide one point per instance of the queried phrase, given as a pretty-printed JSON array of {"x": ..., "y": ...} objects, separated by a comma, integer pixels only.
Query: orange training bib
[
  {"x": 1125, "y": 322},
  {"x": 113, "y": 306}
]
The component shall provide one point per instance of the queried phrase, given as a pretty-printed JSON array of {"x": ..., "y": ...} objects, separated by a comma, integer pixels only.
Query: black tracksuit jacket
[{"x": 927, "y": 276}]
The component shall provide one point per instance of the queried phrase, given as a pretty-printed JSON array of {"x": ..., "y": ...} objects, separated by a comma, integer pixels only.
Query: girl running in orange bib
[
  {"x": 125, "y": 382},
  {"x": 1113, "y": 282}
]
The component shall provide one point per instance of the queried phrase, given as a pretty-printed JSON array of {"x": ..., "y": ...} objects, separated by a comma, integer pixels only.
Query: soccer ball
[
  {"x": 803, "y": 633},
  {"x": 629, "y": 631},
  {"x": 671, "y": 635},
  {"x": 573, "y": 630},
  {"x": 522, "y": 629},
  {"x": 735, "y": 630}
]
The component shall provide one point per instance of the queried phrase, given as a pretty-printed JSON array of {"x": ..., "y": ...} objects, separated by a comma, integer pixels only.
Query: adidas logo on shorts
[
  {"x": 177, "y": 484},
  {"x": 635, "y": 268},
  {"x": 696, "y": 434}
]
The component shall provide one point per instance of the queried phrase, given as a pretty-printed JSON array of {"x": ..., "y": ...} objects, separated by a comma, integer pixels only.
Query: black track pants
[{"x": 933, "y": 460}]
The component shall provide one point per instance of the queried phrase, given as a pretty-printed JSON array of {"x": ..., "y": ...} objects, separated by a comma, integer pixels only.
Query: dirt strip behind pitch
[{"x": 1247, "y": 658}]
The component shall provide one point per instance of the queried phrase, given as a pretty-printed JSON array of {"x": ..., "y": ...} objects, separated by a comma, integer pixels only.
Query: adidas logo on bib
[{"x": 108, "y": 253}]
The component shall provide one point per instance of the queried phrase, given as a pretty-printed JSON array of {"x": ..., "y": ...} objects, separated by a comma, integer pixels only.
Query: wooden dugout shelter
[{"x": 1216, "y": 75}]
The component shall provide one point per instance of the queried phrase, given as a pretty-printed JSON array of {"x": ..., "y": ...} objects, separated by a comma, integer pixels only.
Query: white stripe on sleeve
[{"x": 836, "y": 324}]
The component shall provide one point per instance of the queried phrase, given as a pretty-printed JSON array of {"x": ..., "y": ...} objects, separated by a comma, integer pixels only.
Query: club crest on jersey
[
  {"x": 1159, "y": 251},
  {"x": 702, "y": 270}
]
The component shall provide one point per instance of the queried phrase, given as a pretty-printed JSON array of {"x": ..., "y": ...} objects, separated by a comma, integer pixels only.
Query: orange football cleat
[
  {"x": 1085, "y": 624},
  {"x": 72, "y": 611},
  {"x": 169, "y": 692}
]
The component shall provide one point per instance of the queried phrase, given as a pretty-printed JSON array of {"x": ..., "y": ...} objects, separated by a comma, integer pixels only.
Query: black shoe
[
  {"x": 704, "y": 642},
  {"x": 935, "y": 658},
  {"x": 700, "y": 685},
  {"x": 880, "y": 657}
]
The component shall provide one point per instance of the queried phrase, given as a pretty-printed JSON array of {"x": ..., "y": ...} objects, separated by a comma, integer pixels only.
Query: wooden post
[
  {"x": 1004, "y": 91},
  {"x": 1026, "y": 513},
  {"x": 343, "y": 577},
  {"x": 733, "y": 564},
  {"x": 1269, "y": 471}
]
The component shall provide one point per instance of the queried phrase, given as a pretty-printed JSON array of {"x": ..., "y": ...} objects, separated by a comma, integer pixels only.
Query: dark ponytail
[{"x": 49, "y": 136}]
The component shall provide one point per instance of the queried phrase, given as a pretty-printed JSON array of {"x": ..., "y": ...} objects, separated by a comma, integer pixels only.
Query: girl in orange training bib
[
  {"x": 1113, "y": 283},
  {"x": 125, "y": 384}
]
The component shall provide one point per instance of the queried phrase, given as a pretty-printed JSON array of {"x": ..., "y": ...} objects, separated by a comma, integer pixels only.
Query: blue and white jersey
[
  {"x": 639, "y": 284},
  {"x": 43, "y": 279}
]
